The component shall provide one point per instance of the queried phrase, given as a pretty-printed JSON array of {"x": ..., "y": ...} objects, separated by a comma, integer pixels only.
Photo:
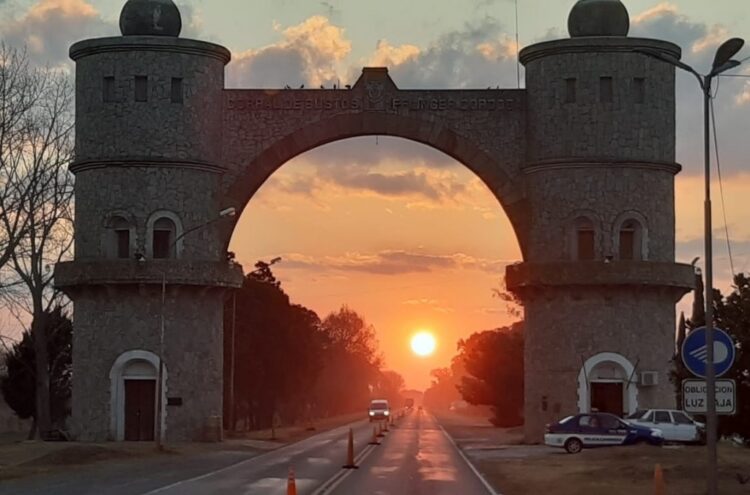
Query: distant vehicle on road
[
  {"x": 409, "y": 403},
  {"x": 676, "y": 425},
  {"x": 379, "y": 410},
  {"x": 598, "y": 430}
]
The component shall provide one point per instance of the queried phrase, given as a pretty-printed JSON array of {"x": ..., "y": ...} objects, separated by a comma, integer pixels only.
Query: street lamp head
[
  {"x": 228, "y": 212},
  {"x": 725, "y": 52}
]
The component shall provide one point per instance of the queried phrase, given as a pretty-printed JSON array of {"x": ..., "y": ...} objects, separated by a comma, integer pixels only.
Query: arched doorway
[
  {"x": 134, "y": 389},
  {"x": 606, "y": 384}
]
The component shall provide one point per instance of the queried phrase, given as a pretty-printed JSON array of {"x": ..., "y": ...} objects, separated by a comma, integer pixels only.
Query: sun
[{"x": 423, "y": 343}]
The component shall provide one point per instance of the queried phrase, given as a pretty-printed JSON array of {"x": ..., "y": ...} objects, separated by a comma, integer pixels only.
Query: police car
[{"x": 597, "y": 430}]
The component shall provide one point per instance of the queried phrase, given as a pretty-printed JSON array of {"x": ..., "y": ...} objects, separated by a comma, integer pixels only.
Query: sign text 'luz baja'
[{"x": 694, "y": 397}]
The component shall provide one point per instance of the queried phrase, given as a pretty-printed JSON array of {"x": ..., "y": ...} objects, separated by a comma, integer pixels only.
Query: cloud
[
  {"x": 699, "y": 42},
  {"x": 479, "y": 55},
  {"x": 415, "y": 185},
  {"x": 49, "y": 27},
  {"x": 311, "y": 53},
  {"x": 393, "y": 262}
]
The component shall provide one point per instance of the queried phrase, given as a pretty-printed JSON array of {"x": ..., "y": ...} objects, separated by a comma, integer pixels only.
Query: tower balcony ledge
[
  {"x": 678, "y": 277},
  {"x": 79, "y": 273}
]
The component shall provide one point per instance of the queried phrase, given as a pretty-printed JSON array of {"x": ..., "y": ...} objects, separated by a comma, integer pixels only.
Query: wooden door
[
  {"x": 607, "y": 397},
  {"x": 140, "y": 401}
]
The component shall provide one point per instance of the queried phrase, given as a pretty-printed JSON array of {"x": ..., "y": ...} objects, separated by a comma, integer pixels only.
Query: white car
[{"x": 675, "y": 425}]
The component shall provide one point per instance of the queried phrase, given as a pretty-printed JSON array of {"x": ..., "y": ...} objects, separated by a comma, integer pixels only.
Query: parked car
[
  {"x": 379, "y": 410},
  {"x": 598, "y": 430},
  {"x": 676, "y": 426}
]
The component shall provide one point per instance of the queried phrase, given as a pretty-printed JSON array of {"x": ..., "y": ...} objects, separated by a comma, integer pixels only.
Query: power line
[{"x": 721, "y": 189}]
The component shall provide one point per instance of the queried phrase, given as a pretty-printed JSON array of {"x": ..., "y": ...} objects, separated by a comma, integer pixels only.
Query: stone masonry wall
[{"x": 111, "y": 321}]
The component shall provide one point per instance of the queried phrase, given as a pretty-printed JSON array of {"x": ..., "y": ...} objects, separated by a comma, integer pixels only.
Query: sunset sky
[{"x": 401, "y": 233}]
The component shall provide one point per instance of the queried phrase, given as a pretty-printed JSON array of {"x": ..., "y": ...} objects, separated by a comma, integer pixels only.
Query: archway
[
  {"x": 606, "y": 384},
  {"x": 133, "y": 394},
  {"x": 405, "y": 235}
]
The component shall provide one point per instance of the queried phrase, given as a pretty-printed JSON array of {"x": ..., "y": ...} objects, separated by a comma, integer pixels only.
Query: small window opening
[
  {"x": 141, "y": 88},
  {"x": 163, "y": 241},
  {"x": 120, "y": 238},
  {"x": 630, "y": 238},
  {"x": 108, "y": 89},
  {"x": 585, "y": 240},
  {"x": 123, "y": 243},
  {"x": 639, "y": 90},
  {"x": 570, "y": 90},
  {"x": 605, "y": 89},
  {"x": 177, "y": 95}
]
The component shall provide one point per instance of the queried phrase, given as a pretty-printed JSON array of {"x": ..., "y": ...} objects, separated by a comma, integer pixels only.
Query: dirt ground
[
  {"x": 516, "y": 469},
  {"x": 618, "y": 471}
]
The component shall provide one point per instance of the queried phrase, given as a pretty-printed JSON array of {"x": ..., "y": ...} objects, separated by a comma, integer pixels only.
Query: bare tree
[
  {"x": 39, "y": 208},
  {"x": 20, "y": 88}
]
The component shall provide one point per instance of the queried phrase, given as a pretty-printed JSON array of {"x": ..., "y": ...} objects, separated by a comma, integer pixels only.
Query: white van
[{"x": 379, "y": 410}]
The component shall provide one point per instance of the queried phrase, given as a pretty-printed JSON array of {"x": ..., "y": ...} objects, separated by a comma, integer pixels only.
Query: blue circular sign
[{"x": 695, "y": 352}]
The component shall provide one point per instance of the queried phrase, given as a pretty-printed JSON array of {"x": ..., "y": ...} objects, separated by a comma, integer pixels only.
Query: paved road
[
  {"x": 314, "y": 460},
  {"x": 415, "y": 458}
]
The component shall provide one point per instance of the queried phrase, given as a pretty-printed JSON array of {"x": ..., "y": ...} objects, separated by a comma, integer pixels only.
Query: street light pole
[
  {"x": 722, "y": 63},
  {"x": 227, "y": 212}
]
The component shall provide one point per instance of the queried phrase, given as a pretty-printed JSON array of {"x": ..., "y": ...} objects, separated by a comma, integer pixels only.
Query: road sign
[
  {"x": 695, "y": 352},
  {"x": 694, "y": 397}
]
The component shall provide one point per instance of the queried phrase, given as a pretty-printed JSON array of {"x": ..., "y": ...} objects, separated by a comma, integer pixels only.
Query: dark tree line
[{"x": 292, "y": 367}]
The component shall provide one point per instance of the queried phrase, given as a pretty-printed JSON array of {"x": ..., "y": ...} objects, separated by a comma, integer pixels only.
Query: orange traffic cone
[
  {"x": 291, "y": 484},
  {"x": 380, "y": 430},
  {"x": 350, "y": 452},
  {"x": 385, "y": 426},
  {"x": 659, "y": 486},
  {"x": 374, "y": 440}
]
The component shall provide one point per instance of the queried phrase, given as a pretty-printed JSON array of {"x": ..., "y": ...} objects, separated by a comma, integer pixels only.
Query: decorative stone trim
[
  {"x": 521, "y": 276},
  {"x": 596, "y": 44},
  {"x": 85, "y": 165},
  {"x": 132, "y": 44},
  {"x": 573, "y": 163},
  {"x": 130, "y": 272}
]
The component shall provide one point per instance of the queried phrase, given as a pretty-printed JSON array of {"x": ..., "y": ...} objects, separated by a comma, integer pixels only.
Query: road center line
[{"x": 339, "y": 477}]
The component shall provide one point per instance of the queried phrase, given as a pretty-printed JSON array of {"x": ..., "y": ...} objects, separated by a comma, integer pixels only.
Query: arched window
[
  {"x": 119, "y": 238},
  {"x": 630, "y": 240},
  {"x": 164, "y": 235},
  {"x": 585, "y": 239}
]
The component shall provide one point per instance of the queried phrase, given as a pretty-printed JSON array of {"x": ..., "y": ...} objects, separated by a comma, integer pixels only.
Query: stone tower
[
  {"x": 149, "y": 261},
  {"x": 599, "y": 282}
]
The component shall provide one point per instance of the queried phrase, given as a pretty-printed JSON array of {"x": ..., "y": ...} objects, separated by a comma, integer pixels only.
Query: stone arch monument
[{"x": 582, "y": 161}]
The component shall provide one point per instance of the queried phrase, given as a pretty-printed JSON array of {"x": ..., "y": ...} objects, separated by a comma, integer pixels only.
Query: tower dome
[
  {"x": 150, "y": 18},
  {"x": 598, "y": 18}
]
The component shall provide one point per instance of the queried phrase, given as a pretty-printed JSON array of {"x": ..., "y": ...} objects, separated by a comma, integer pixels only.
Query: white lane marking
[
  {"x": 489, "y": 488},
  {"x": 291, "y": 446},
  {"x": 339, "y": 477}
]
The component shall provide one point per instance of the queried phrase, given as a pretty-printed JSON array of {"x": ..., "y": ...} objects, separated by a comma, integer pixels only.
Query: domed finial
[
  {"x": 598, "y": 18},
  {"x": 150, "y": 18}
]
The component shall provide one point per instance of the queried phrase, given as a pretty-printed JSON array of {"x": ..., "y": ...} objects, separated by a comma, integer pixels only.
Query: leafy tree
[
  {"x": 494, "y": 365},
  {"x": 351, "y": 351},
  {"x": 18, "y": 385},
  {"x": 275, "y": 358},
  {"x": 732, "y": 313}
]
